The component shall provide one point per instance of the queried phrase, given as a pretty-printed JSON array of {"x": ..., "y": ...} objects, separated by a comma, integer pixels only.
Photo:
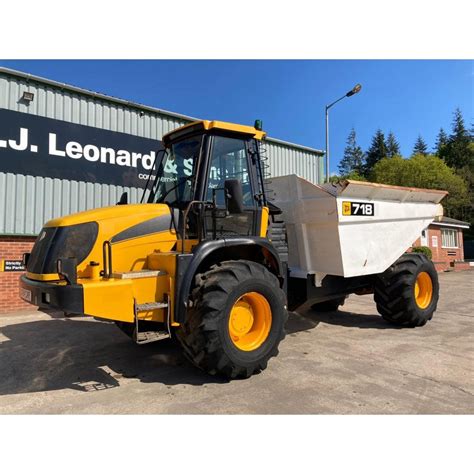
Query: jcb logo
[{"x": 346, "y": 208}]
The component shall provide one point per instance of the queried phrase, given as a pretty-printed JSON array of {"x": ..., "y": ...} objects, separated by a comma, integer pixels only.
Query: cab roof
[{"x": 202, "y": 125}]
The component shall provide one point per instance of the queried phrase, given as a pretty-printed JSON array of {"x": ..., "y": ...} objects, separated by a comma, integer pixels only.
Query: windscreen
[{"x": 175, "y": 176}]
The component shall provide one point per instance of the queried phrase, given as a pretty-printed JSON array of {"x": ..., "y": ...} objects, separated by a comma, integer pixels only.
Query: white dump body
[{"x": 322, "y": 239}]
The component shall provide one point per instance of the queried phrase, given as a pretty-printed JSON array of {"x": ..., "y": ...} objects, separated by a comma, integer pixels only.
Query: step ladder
[
  {"x": 138, "y": 274},
  {"x": 145, "y": 337},
  {"x": 139, "y": 308}
]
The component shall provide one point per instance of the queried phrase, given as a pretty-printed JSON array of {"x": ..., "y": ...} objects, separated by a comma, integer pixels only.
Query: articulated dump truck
[{"x": 215, "y": 260}]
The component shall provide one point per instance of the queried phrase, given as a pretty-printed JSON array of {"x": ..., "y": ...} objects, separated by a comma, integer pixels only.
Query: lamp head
[{"x": 354, "y": 90}]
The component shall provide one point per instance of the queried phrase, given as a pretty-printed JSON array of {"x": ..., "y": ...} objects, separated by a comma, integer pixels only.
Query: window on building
[{"x": 449, "y": 238}]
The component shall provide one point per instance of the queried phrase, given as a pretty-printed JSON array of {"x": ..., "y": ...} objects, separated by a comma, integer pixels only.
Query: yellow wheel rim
[
  {"x": 250, "y": 321},
  {"x": 423, "y": 290}
]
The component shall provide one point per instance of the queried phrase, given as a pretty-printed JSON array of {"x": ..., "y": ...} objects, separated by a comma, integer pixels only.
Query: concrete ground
[{"x": 345, "y": 362}]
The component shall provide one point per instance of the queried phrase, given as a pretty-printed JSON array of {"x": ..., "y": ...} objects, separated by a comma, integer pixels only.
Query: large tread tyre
[
  {"x": 330, "y": 305},
  {"x": 407, "y": 293},
  {"x": 207, "y": 337}
]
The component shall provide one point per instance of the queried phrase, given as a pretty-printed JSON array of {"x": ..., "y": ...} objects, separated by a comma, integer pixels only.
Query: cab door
[{"x": 229, "y": 159}]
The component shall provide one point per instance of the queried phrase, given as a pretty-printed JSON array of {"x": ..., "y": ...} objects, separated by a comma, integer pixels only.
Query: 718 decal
[{"x": 357, "y": 208}]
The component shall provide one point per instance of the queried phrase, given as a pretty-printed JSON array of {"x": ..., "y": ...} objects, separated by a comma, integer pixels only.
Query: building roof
[
  {"x": 450, "y": 222},
  {"x": 98, "y": 95}
]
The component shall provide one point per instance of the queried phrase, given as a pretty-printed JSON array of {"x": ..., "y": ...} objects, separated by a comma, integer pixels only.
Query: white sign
[{"x": 434, "y": 241}]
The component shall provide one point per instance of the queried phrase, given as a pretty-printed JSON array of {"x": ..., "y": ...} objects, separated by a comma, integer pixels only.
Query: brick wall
[
  {"x": 12, "y": 248},
  {"x": 444, "y": 258}
]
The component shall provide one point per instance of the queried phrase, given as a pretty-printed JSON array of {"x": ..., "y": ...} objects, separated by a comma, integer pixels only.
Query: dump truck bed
[{"x": 351, "y": 228}]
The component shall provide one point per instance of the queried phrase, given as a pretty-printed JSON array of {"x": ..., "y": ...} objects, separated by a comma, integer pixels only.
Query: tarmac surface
[{"x": 349, "y": 361}]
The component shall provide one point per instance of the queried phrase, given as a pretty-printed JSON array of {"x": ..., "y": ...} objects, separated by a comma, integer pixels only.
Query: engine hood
[
  {"x": 137, "y": 212},
  {"x": 133, "y": 230}
]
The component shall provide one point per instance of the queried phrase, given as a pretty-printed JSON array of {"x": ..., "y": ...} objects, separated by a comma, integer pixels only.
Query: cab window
[{"x": 229, "y": 161}]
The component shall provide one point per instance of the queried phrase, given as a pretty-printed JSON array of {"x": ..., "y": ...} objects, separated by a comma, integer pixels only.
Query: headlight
[{"x": 61, "y": 242}]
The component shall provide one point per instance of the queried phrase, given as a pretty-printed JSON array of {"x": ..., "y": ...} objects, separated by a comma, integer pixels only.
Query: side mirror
[
  {"x": 234, "y": 196},
  {"x": 123, "y": 199}
]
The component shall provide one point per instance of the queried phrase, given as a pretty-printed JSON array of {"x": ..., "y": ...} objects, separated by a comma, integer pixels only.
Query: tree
[
  {"x": 393, "y": 147},
  {"x": 354, "y": 157},
  {"x": 425, "y": 171},
  {"x": 441, "y": 141},
  {"x": 459, "y": 151},
  {"x": 420, "y": 148},
  {"x": 377, "y": 151}
]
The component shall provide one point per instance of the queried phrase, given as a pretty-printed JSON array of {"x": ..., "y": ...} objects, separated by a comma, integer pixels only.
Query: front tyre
[
  {"x": 407, "y": 293},
  {"x": 237, "y": 319}
]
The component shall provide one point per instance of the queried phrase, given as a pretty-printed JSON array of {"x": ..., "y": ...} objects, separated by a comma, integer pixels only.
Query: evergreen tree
[
  {"x": 458, "y": 152},
  {"x": 354, "y": 157},
  {"x": 377, "y": 151},
  {"x": 459, "y": 129},
  {"x": 420, "y": 148},
  {"x": 441, "y": 141},
  {"x": 393, "y": 147}
]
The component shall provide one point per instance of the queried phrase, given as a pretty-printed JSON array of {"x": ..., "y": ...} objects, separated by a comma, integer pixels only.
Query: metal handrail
[
  {"x": 107, "y": 258},
  {"x": 185, "y": 218}
]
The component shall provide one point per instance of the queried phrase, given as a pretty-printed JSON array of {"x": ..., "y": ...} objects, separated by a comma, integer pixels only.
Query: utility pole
[{"x": 353, "y": 91}]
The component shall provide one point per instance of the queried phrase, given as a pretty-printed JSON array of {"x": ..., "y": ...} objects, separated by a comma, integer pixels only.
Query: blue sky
[{"x": 407, "y": 97}]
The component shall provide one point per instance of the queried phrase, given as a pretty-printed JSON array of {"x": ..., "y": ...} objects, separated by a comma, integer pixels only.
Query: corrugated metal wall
[
  {"x": 285, "y": 159},
  {"x": 26, "y": 202}
]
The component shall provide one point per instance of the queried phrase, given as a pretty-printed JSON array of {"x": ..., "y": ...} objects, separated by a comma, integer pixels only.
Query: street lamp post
[{"x": 353, "y": 91}]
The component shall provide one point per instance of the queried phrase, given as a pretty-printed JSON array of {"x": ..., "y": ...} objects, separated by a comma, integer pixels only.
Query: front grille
[{"x": 74, "y": 241}]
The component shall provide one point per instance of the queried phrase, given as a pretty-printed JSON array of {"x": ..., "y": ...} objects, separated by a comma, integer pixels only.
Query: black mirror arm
[{"x": 123, "y": 199}]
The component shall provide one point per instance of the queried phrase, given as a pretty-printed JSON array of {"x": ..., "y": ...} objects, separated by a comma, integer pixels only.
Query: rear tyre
[
  {"x": 237, "y": 319},
  {"x": 330, "y": 305},
  {"x": 407, "y": 293}
]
